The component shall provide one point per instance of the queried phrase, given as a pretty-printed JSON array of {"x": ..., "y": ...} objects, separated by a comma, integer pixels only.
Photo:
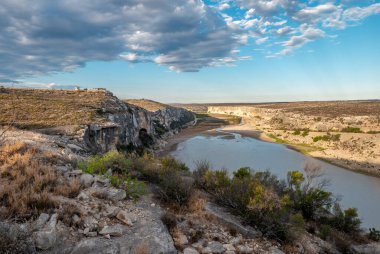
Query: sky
[{"x": 195, "y": 51}]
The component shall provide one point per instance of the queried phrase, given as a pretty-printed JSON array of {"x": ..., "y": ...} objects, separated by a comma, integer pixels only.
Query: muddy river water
[{"x": 231, "y": 151}]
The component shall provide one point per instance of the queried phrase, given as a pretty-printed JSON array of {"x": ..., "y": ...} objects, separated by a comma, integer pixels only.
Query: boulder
[
  {"x": 47, "y": 237},
  {"x": 41, "y": 221},
  {"x": 96, "y": 246},
  {"x": 15, "y": 239},
  {"x": 124, "y": 217},
  {"x": 214, "y": 247},
  {"x": 86, "y": 180},
  {"x": 114, "y": 230}
]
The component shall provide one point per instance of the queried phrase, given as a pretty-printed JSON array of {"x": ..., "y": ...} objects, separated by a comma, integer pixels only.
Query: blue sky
[{"x": 214, "y": 51}]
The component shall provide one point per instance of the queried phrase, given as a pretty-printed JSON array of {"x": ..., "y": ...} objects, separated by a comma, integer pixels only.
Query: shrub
[
  {"x": 297, "y": 132},
  {"x": 242, "y": 172},
  {"x": 175, "y": 188},
  {"x": 345, "y": 220},
  {"x": 305, "y": 132},
  {"x": 312, "y": 201},
  {"x": 325, "y": 231},
  {"x": 28, "y": 182},
  {"x": 328, "y": 137},
  {"x": 352, "y": 130},
  {"x": 170, "y": 162},
  {"x": 374, "y": 234},
  {"x": 100, "y": 164}
]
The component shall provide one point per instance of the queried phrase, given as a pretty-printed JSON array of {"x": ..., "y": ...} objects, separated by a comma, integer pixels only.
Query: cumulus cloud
[
  {"x": 51, "y": 36},
  {"x": 185, "y": 35},
  {"x": 359, "y": 13}
]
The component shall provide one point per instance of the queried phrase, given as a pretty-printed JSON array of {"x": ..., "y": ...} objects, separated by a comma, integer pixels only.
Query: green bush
[
  {"x": 175, "y": 188},
  {"x": 311, "y": 201},
  {"x": 325, "y": 231},
  {"x": 328, "y": 137},
  {"x": 297, "y": 132},
  {"x": 345, "y": 220},
  {"x": 352, "y": 130},
  {"x": 242, "y": 172},
  {"x": 170, "y": 162},
  {"x": 100, "y": 164},
  {"x": 117, "y": 168},
  {"x": 305, "y": 132}
]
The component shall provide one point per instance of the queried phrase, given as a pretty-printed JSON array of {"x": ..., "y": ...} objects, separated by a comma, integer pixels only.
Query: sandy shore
[{"x": 248, "y": 130}]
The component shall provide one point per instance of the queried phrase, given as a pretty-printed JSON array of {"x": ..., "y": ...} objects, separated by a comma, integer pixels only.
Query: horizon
[{"x": 215, "y": 51}]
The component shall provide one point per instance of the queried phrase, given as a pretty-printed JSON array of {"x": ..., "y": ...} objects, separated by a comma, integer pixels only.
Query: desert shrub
[
  {"x": 68, "y": 189},
  {"x": 307, "y": 196},
  {"x": 374, "y": 234},
  {"x": 169, "y": 219},
  {"x": 170, "y": 162},
  {"x": 100, "y": 164},
  {"x": 297, "y": 132},
  {"x": 242, "y": 172},
  {"x": 325, "y": 231},
  {"x": 305, "y": 132},
  {"x": 345, "y": 220},
  {"x": 28, "y": 183},
  {"x": 175, "y": 188},
  {"x": 373, "y": 132},
  {"x": 352, "y": 130},
  {"x": 202, "y": 167},
  {"x": 328, "y": 137}
]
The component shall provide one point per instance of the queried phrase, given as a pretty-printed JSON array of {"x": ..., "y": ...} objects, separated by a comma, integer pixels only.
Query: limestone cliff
[{"x": 94, "y": 119}]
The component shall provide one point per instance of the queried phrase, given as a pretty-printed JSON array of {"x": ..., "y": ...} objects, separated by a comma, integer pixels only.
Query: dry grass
[
  {"x": 148, "y": 104},
  {"x": 28, "y": 183},
  {"x": 37, "y": 108}
]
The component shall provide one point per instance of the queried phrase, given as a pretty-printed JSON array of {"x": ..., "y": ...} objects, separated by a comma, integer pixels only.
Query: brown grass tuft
[{"x": 27, "y": 183}]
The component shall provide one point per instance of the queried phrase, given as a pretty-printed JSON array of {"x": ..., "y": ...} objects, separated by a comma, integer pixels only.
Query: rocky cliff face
[
  {"x": 130, "y": 126},
  {"x": 93, "y": 119}
]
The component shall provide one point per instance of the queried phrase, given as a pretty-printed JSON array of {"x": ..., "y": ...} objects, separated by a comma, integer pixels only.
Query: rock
[
  {"x": 124, "y": 217},
  {"x": 231, "y": 221},
  {"x": 214, "y": 247},
  {"x": 190, "y": 251},
  {"x": 230, "y": 252},
  {"x": 114, "y": 194},
  {"x": 83, "y": 196},
  {"x": 199, "y": 245},
  {"x": 90, "y": 222},
  {"x": 92, "y": 234},
  {"x": 180, "y": 239},
  {"x": 114, "y": 230},
  {"x": 229, "y": 247},
  {"x": 47, "y": 237},
  {"x": 244, "y": 249},
  {"x": 86, "y": 180},
  {"x": 17, "y": 239},
  {"x": 41, "y": 221},
  {"x": 96, "y": 246},
  {"x": 75, "y": 148},
  {"x": 236, "y": 241},
  {"x": 275, "y": 250},
  {"x": 112, "y": 211},
  {"x": 86, "y": 231},
  {"x": 75, "y": 219},
  {"x": 371, "y": 248},
  {"x": 75, "y": 173}
]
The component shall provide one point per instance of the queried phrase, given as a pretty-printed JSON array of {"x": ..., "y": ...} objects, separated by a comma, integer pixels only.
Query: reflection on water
[{"x": 222, "y": 151}]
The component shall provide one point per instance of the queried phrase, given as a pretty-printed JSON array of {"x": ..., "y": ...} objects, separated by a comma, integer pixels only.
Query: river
[{"x": 231, "y": 151}]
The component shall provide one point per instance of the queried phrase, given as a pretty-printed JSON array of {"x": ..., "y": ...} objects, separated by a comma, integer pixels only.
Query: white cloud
[{"x": 359, "y": 13}]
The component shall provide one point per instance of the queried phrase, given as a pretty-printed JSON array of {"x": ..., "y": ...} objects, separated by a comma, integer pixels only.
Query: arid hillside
[{"x": 33, "y": 108}]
